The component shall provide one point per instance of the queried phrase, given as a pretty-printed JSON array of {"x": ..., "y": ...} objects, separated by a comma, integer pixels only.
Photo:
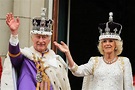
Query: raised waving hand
[
  {"x": 12, "y": 23},
  {"x": 64, "y": 48}
]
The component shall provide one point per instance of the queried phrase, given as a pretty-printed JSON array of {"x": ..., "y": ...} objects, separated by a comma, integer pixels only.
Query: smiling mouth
[
  {"x": 41, "y": 45},
  {"x": 108, "y": 47}
]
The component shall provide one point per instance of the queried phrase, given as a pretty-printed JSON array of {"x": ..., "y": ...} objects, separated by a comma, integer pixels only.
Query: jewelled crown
[
  {"x": 41, "y": 24},
  {"x": 110, "y": 29}
]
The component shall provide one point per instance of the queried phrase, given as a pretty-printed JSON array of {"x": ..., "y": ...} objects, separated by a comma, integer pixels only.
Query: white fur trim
[
  {"x": 8, "y": 79},
  {"x": 41, "y": 32},
  {"x": 109, "y": 36}
]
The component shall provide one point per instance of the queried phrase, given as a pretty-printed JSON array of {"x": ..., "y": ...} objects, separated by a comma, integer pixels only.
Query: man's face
[{"x": 40, "y": 42}]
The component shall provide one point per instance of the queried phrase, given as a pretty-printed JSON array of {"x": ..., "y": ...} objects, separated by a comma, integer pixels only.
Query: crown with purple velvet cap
[{"x": 41, "y": 24}]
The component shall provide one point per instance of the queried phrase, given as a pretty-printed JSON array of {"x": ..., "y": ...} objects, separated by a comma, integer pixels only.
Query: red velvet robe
[
  {"x": 0, "y": 67},
  {"x": 134, "y": 80}
]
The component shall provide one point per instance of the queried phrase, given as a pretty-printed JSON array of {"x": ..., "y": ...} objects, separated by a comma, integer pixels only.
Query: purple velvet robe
[{"x": 25, "y": 68}]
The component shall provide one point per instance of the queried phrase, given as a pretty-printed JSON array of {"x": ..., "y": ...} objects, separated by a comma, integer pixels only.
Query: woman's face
[
  {"x": 40, "y": 42},
  {"x": 108, "y": 45}
]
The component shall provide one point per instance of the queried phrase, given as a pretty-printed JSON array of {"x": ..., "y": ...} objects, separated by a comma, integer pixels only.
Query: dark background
[{"x": 85, "y": 16}]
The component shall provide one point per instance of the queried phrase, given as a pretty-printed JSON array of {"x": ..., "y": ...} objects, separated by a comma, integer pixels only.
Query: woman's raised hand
[{"x": 62, "y": 46}]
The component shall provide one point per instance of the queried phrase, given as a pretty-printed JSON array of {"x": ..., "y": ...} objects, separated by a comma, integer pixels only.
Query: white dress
[{"x": 115, "y": 76}]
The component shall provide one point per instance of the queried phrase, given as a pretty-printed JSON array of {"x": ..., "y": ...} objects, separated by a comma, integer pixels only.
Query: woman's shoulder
[
  {"x": 124, "y": 59},
  {"x": 96, "y": 57}
]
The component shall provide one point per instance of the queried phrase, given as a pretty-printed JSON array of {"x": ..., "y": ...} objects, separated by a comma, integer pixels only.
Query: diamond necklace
[{"x": 110, "y": 62}]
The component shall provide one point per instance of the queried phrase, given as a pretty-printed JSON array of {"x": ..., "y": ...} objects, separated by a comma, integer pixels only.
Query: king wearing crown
[{"x": 37, "y": 67}]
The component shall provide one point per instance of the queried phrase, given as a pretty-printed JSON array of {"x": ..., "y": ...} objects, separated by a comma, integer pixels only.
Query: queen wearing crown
[
  {"x": 108, "y": 71},
  {"x": 37, "y": 67}
]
